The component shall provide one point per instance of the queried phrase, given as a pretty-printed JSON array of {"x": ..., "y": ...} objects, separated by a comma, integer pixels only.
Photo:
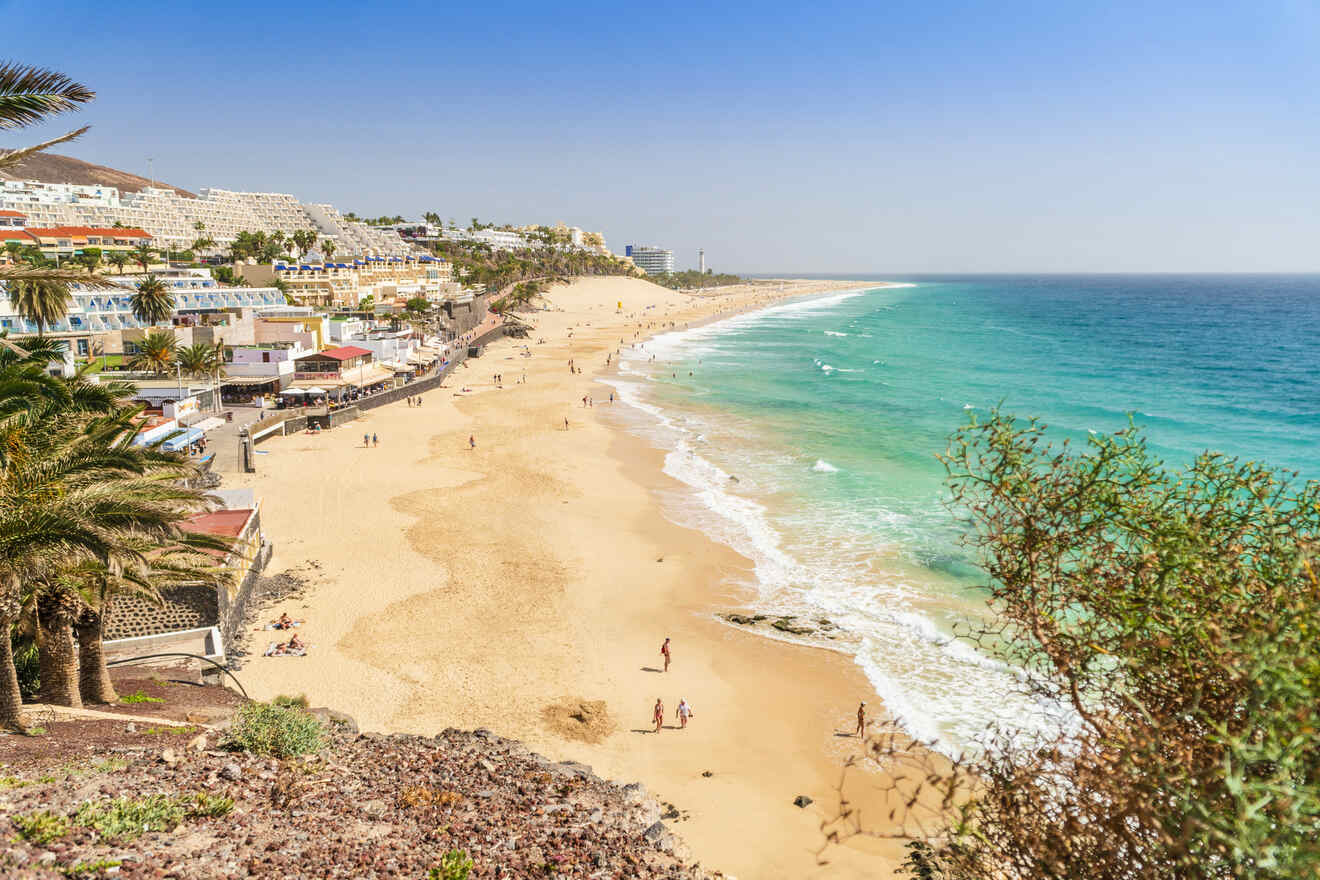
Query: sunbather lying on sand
[
  {"x": 294, "y": 647},
  {"x": 284, "y": 622}
]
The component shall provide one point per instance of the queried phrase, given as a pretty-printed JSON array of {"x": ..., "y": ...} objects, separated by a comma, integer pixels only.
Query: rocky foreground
[{"x": 364, "y": 806}]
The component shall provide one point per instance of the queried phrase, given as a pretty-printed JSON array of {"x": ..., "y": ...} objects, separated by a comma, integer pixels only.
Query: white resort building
[
  {"x": 172, "y": 219},
  {"x": 651, "y": 260}
]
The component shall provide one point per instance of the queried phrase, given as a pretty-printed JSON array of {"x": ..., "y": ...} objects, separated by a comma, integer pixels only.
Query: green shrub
[
  {"x": 124, "y": 819},
  {"x": 41, "y": 827},
  {"x": 139, "y": 697},
  {"x": 208, "y": 806},
  {"x": 277, "y": 731},
  {"x": 298, "y": 702},
  {"x": 454, "y": 865}
]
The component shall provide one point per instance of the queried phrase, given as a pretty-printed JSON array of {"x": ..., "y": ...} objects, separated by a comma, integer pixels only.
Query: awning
[
  {"x": 397, "y": 367},
  {"x": 249, "y": 380},
  {"x": 293, "y": 392},
  {"x": 209, "y": 424},
  {"x": 315, "y": 390},
  {"x": 174, "y": 444},
  {"x": 369, "y": 376}
]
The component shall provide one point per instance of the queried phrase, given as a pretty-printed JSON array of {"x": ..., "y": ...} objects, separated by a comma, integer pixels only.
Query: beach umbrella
[
  {"x": 293, "y": 391},
  {"x": 316, "y": 390}
]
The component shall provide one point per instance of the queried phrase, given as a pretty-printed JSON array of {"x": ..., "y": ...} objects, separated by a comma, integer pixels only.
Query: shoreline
[{"x": 503, "y": 587}]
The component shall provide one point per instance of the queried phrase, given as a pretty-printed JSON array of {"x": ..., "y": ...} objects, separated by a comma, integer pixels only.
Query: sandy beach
[{"x": 526, "y": 585}]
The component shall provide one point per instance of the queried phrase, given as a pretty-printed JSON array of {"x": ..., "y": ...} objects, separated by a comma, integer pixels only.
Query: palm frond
[
  {"x": 10, "y": 158},
  {"x": 28, "y": 94},
  {"x": 21, "y": 272}
]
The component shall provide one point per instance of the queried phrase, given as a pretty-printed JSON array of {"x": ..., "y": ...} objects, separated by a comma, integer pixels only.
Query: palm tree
[
  {"x": 143, "y": 255},
  {"x": 197, "y": 359},
  {"x": 328, "y": 248},
  {"x": 153, "y": 302},
  {"x": 140, "y": 567},
  {"x": 43, "y": 301},
  {"x": 90, "y": 259},
  {"x": 203, "y": 243},
  {"x": 155, "y": 352},
  {"x": 119, "y": 260}
]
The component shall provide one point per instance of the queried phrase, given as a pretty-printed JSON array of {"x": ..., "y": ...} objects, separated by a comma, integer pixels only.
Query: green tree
[
  {"x": 328, "y": 248},
  {"x": 143, "y": 254},
  {"x": 1174, "y": 615},
  {"x": 89, "y": 259},
  {"x": 156, "y": 352},
  {"x": 43, "y": 301},
  {"x": 119, "y": 260},
  {"x": 152, "y": 302},
  {"x": 198, "y": 359}
]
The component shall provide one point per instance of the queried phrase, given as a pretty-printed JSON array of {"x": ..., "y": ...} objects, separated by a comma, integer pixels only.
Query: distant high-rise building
[{"x": 651, "y": 260}]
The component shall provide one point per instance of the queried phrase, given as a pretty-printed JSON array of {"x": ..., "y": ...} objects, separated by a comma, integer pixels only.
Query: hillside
[{"x": 53, "y": 168}]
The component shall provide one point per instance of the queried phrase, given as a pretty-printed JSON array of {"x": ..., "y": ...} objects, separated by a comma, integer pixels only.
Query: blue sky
[{"x": 780, "y": 136}]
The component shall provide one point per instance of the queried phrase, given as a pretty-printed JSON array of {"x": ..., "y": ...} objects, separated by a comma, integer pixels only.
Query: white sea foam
[
  {"x": 834, "y": 333},
  {"x": 824, "y": 561}
]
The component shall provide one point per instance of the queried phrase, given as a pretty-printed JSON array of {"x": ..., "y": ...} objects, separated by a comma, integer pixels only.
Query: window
[
  {"x": 82, "y": 348},
  {"x": 265, "y": 357}
]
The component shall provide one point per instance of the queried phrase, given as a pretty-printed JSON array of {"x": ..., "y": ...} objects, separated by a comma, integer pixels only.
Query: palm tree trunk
[
  {"x": 93, "y": 678},
  {"x": 11, "y": 700},
  {"x": 57, "y": 659}
]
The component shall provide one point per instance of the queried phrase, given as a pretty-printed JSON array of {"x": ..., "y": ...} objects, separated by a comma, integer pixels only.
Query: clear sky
[{"x": 897, "y": 137}]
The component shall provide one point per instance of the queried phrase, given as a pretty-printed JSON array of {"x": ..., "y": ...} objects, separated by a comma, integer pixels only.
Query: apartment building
[
  {"x": 651, "y": 260},
  {"x": 385, "y": 279},
  {"x": 65, "y": 241},
  {"x": 172, "y": 220}
]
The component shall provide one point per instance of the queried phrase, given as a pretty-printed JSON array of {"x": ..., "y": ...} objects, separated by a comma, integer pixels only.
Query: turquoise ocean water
[{"x": 829, "y": 412}]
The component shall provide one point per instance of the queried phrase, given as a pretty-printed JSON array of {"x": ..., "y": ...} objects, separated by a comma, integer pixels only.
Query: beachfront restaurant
[{"x": 339, "y": 375}]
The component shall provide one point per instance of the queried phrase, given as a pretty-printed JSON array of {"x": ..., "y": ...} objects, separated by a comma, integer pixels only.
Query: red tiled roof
[
  {"x": 220, "y": 522},
  {"x": 12, "y": 214},
  {"x": 342, "y": 353},
  {"x": 52, "y": 231}
]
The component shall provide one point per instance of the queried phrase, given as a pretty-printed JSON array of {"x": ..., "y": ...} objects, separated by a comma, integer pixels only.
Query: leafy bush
[
  {"x": 298, "y": 702},
  {"x": 208, "y": 806},
  {"x": 41, "y": 827},
  {"x": 1173, "y": 613},
  {"x": 124, "y": 819},
  {"x": 277, "y": 731},
  {"x": 454, "y": 865}
]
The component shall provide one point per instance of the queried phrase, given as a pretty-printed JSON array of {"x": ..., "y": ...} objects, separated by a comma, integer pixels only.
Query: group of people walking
[{"x": 684, "y": 710}]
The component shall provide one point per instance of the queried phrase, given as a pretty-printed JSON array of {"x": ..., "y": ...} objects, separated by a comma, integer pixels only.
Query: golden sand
[{"x": 511, "y": 585}]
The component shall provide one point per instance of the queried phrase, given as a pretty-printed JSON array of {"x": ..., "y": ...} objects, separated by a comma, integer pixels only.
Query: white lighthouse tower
[{"x": 701, "y": 260}]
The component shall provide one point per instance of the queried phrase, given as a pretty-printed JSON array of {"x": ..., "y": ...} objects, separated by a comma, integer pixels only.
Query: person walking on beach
[
  {"x": 664, "y": 649},
  {"x": 375, "y": 441},
  {"x": 366, "y": 440},
  {"x": 683, "y": 713},
  {"x": 861, "y": 719},
  {"x": 472, "y": 441},
  {"x": 565, "y": 423},
  {"x": 658, "y": 715}
]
